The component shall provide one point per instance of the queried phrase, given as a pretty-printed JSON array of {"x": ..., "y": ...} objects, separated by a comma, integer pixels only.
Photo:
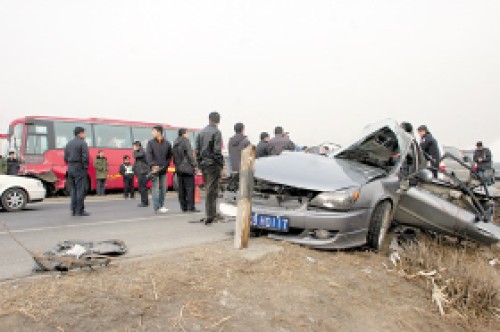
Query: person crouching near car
[
  {"x": 185, "y": 169},
  {"x": 482, "y": 158},
  {"x": 141, "y": 170},
  {"x": 101, "y": 172},
  {"x": 159, "y": 154},
  {"x": 12, "y": 164},
  {"x": 127, "y": 172}
]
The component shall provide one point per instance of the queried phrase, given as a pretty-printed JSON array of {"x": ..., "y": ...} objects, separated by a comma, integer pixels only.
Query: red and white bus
[{"x": 40, "y": 141}]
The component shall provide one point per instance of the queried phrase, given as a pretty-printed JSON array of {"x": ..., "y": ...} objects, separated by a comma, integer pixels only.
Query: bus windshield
[{"x": 16, "y": 137}]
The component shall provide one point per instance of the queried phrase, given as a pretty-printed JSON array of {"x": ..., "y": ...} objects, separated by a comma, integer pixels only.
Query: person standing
[
  {"x": 127, "y": 172},
  {"x": 3, "y": 166},
  {"x": 141, "y": 170},
  {"x": 76, "y": 156},
  {"x": 211, "y": 162},
  {"x": 159, "y": 153},
  {"x": 12, "y": 164},
  {"x": 483, "y": 160},
  {"x": 261, "y": 149},
  {"x": 101, "y": 172},
  {"x": 185, "y": 168},
  {"x": 430, "y": 148},
  {"x": 279, "y": 143},
  {"x": 237, "y": 143}
]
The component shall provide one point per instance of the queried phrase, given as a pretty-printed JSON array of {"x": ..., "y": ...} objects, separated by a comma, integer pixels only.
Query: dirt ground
[{"x": 272, "y": 286}]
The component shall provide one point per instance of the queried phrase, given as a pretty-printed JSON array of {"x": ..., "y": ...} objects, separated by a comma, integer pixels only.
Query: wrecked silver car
[{"x": 351, "y": 198}]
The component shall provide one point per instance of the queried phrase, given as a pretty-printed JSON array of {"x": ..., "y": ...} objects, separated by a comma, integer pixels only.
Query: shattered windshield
[{"x": 379, "y": 147}]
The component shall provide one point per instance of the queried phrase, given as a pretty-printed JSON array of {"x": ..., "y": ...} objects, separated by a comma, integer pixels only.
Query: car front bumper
[
  {"x": 36, "y": 195},
  {"x": 346, "y": 229}
]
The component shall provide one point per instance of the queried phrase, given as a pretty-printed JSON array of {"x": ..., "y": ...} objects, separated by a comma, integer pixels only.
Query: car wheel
[
  {"x": 379, "y": 224},
  {"x": 14, "y": 199}
]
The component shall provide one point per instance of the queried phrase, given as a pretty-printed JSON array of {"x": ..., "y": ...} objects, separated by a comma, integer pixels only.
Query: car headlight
[
  {"x": 39, "y": 183},
  {"x": 338, "y": 200}
]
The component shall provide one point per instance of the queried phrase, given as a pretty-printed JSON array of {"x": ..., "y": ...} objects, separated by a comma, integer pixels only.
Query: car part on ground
[
  {"x": 343, "y": 201},
  {"x": 68, "y": 255}
]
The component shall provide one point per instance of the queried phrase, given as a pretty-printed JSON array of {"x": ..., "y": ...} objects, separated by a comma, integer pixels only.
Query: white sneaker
[{"x": 163, "y": 210}]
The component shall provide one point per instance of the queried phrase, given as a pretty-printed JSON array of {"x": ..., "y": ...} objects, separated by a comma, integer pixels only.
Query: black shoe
[
  {"x": 193, "y": 211},
  {"x": 209, "y": 221},
  {"x": 143, "y": 205},
  {"x": 83, "y": 214},
  {"x": 73, "y": 214},
  {"x": 184, "y": 211}
]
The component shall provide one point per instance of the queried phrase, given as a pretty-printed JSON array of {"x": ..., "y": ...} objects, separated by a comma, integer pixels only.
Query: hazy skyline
[{"x": 321, "y": 69}]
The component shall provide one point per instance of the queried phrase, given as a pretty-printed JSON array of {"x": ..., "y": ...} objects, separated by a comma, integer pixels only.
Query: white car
[{"x": 17, "y": 191}]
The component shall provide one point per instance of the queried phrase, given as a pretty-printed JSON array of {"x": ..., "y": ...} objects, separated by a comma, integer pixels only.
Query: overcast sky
[{"x": 321, "y": 69}]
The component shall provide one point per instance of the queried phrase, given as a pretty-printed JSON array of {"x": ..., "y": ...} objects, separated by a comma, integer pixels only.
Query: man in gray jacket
[
  {"x": 279, "y": 143},
  {"x": 211, "y": 161},
  {"x": 236, "y": 144},
  {"x": 185, "y": 168}
]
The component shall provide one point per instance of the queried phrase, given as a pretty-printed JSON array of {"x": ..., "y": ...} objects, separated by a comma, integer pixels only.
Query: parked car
[
  {"x": 351, "y": 198},
  {"x": 17, "y": 191}
]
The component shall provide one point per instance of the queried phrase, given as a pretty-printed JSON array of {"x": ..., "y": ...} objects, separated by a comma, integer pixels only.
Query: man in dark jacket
[
  {"x": 159, "y": 154},
  {"x": 185, "y": 167},
  {"x": 279, "y": 143},
  {"x": 141, "y": 170},
  {"x": 12, "y": 164},
  {"x": 262, "y": 149},
  {"x": 430, "y": 148},
  {"x": 76, "y": 155},
  {"x": 482, "y": 158},
  {"x": 211, "y": 161}
]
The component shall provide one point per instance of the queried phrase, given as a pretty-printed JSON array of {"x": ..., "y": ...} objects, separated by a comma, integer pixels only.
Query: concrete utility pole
[{"x": 244, "y": 214}]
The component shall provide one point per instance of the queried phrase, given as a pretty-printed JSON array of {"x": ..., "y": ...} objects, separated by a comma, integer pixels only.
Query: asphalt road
[{"x": 43, "y": 225}]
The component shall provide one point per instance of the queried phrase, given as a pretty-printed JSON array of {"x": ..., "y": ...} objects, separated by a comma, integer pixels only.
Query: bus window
[
  {"x": 171, "y": 135},
  {"x": 108, "y": 136},
  {"x": 36, "y": 144},
  {"x": 142, "y": 134},
  {"x": 64, "y": 132}
]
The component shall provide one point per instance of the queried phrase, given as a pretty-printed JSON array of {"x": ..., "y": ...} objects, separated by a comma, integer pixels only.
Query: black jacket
[
  {"x": 209, "y": 147},
  {"x": 430, "y": 148},
  {"x": 278, "y": 144},
  {"x": 183, "y": 156},
  {"x": 76, "y": 153},
  {"x": 236, "y": 144},
  {"x": 159, "y": 154},
  {"x": 140, "y": 164},
  {"x": 127, "y": 170},
  {"x": 485, "y": 154},
  {"x": 12, "y": 166},
  {"x": 262, "y": 149}
]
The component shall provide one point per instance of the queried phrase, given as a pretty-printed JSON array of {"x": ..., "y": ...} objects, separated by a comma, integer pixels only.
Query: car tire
[
  {"x": 14, "y": 199},
  {"x": 379, "y": 224}
]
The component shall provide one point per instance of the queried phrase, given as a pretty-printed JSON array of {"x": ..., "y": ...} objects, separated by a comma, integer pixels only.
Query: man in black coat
[
  {"x": 211, "y": 161},
  {"x": 237, "y": 143},
  {"x": 430, "y": 148},
  {"x": 141, "y": 170},
  {"x": 159, "y": 154},
  {"x": 482, "y": 158},
  {"x": 261, "y": 149},
  {"x": 185, "y": 168},
  {"x": 12, "y": 164},
  {"x": 76, "y": 156}
]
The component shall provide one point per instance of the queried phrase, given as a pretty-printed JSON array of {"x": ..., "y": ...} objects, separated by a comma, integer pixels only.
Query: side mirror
[{"x": 425, "y": 176}]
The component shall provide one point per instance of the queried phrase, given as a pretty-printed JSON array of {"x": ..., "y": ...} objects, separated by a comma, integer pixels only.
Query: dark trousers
[
  {"x": 77, "y": 177},
  {"x": 186, "y": 191},
  {"x": 101, "y": 187},
  {"x": 211, "y": 175},
  {"x": 142, "y": 185},
  {"x": 128, "y": 187}
]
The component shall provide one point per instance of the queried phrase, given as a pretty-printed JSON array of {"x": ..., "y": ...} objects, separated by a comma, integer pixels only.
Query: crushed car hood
[{"x": 314, "y": 172}]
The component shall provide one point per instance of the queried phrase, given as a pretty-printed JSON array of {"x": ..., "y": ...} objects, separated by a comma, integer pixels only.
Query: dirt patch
[{"x": 215, "y": 288}]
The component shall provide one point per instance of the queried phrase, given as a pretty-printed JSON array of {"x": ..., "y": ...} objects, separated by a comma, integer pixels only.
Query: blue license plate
[{"x": 270, "y": 222}]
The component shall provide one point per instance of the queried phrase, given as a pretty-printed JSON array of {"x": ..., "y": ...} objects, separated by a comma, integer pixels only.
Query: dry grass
[{"x": 458, "y": 276}]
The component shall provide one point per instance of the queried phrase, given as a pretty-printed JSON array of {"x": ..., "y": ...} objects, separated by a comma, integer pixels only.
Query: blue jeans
[{"x": 159, "y": 188}]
